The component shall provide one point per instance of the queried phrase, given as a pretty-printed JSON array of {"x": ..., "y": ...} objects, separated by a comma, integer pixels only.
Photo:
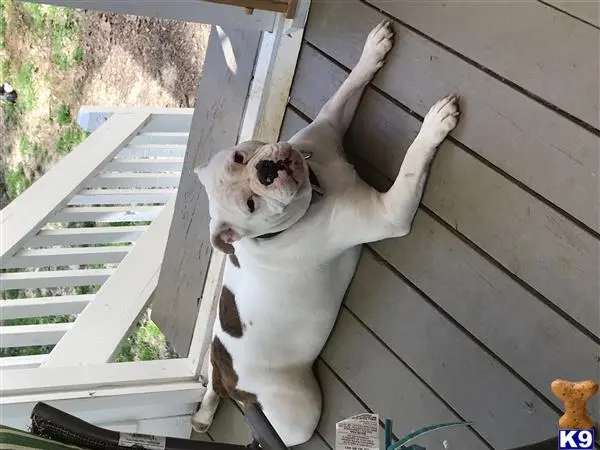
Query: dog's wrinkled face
[{"x": 254, "y": 188}]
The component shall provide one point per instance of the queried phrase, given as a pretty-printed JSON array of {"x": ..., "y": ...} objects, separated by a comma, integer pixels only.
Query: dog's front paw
[
  {"x": 440, "y": 120},
  {"x": 378, "y": 44}
]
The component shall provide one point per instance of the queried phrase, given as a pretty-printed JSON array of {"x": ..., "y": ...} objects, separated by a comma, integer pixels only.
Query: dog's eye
[
  {"x": 238, "y": 158},
  {"x": 251, "y": 205}
]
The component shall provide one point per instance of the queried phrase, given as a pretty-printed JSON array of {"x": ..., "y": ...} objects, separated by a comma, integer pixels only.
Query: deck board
[
  {"x": 513, "y": 132},
  {"x": 587, "y": 10},
  {"x": 387, "y": 385},
  {"x": 453, "y": 365},
  {"x": 512, "y": 40},
  {"x": 230, "y": 427},
  {"x": 340, "y": 403}
]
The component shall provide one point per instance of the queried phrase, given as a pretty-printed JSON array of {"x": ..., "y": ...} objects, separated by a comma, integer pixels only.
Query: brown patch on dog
[
  {"x": 224, "y": 376},
  {"x": 234, "y": 260},
  {"x": 229, "y": 314}
]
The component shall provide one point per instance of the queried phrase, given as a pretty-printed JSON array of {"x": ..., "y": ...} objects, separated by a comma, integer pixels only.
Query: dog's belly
[{"x": 286, "y": 315}]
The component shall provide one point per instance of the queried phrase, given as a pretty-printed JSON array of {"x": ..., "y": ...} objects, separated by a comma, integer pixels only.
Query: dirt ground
[
  {"x": 139, "y": 61},
  {"x": 127, "y": 61}
]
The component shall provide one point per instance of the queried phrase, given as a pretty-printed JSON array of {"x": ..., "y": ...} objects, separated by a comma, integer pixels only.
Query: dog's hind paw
[{"x": 201, "y": 421}]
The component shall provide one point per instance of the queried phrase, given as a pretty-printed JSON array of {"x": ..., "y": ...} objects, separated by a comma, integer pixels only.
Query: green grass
[
  {"x": 39, "y": 320},
  {"x": 3, "y": 24},
  {"x": 27, "y": 148},
  {"x": 4, "y": 69},
  {"x": 69, "y": 139},
  {"x": 78, "y": 55},
  {"x": 10, "y": 294},
  {"x": 26, "y": 351},
  {"x": 36, "y": 17},
  {"x": 63, "y": 115},
  {"x": 65, "y": 29},
  {"x": 25, "y": 85},
  {"x": 144, "y": 344},
  {"x": 16, "y": 182}
]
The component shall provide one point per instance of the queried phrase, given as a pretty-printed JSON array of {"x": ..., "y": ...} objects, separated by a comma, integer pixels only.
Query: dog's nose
[{"x": 267, "y": 171}]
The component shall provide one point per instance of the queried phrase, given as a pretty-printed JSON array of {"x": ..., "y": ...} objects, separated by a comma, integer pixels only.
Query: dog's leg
[
  {"x": 374, "y": 215},
  {"x": 339, "y": 110},
  {"x": 401, "y": 202},
  {"x": 203, "y": 418}
]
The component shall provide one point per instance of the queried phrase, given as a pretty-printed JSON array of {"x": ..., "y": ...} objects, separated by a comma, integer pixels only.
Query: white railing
[
  {"x": 122, "y": 183},
  {"x": 125, "y": 172}
]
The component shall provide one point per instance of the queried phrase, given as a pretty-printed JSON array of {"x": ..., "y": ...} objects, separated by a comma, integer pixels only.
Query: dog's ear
[
  {"x": 222, "y": 235},
  {"x": 200, "y": 172}
]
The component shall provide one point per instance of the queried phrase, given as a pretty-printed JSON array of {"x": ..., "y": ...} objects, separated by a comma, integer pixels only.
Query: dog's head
[{"x": 254, "y": 188}]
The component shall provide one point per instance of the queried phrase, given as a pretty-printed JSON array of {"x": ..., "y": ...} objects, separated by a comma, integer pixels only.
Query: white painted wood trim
[
  {"x": 300, "y": 17},
  {"x": 43, "y": 306},
  {"x": 108, "y": 403},
  {"x": 122, "y": 196},
  {"x": 110, "y": 110},
  {"x": 155, "y": 132},
  {"x": 93, "y": 376},
  {"x": 279, "y": 83},
  {"x": 21, "y": 362},
  {"x": 191, "y": 11},
  {"x": 54, "y": 278},
  {"x": 83, "y": 236},
  {"x": 67, "y": 256},
  {"x": 152, "y": 151},
  {"x": 154, "y": 140},
  {"x": 120, "y": 301},
  {"x": 30, "y": 335},
  {"x": 91, "y": 117},
  {"x": 25, "y": 215},
  {"x": 269, "y": 92},
  {"x": 107, "y": 214},
  {"x": 144, "y": 165},
  {"x": 209, "y": 301},
  {"x": 135, "y": 180}
]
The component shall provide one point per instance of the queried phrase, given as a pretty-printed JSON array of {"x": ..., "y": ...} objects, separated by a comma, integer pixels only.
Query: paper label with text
[
  {"x": 360, "y": 432},
  {"x": 145, "y": 441}
]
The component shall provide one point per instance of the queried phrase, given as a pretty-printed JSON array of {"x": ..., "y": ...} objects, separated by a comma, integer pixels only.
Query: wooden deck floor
[{"x": 495, "y": 292}]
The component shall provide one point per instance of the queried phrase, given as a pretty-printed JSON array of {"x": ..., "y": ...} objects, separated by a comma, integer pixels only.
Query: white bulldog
[{"x": 292, "y": 216}]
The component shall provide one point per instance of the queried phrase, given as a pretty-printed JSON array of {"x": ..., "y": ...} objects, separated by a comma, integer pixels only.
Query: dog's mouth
[{"x": 281, "y": 171}]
